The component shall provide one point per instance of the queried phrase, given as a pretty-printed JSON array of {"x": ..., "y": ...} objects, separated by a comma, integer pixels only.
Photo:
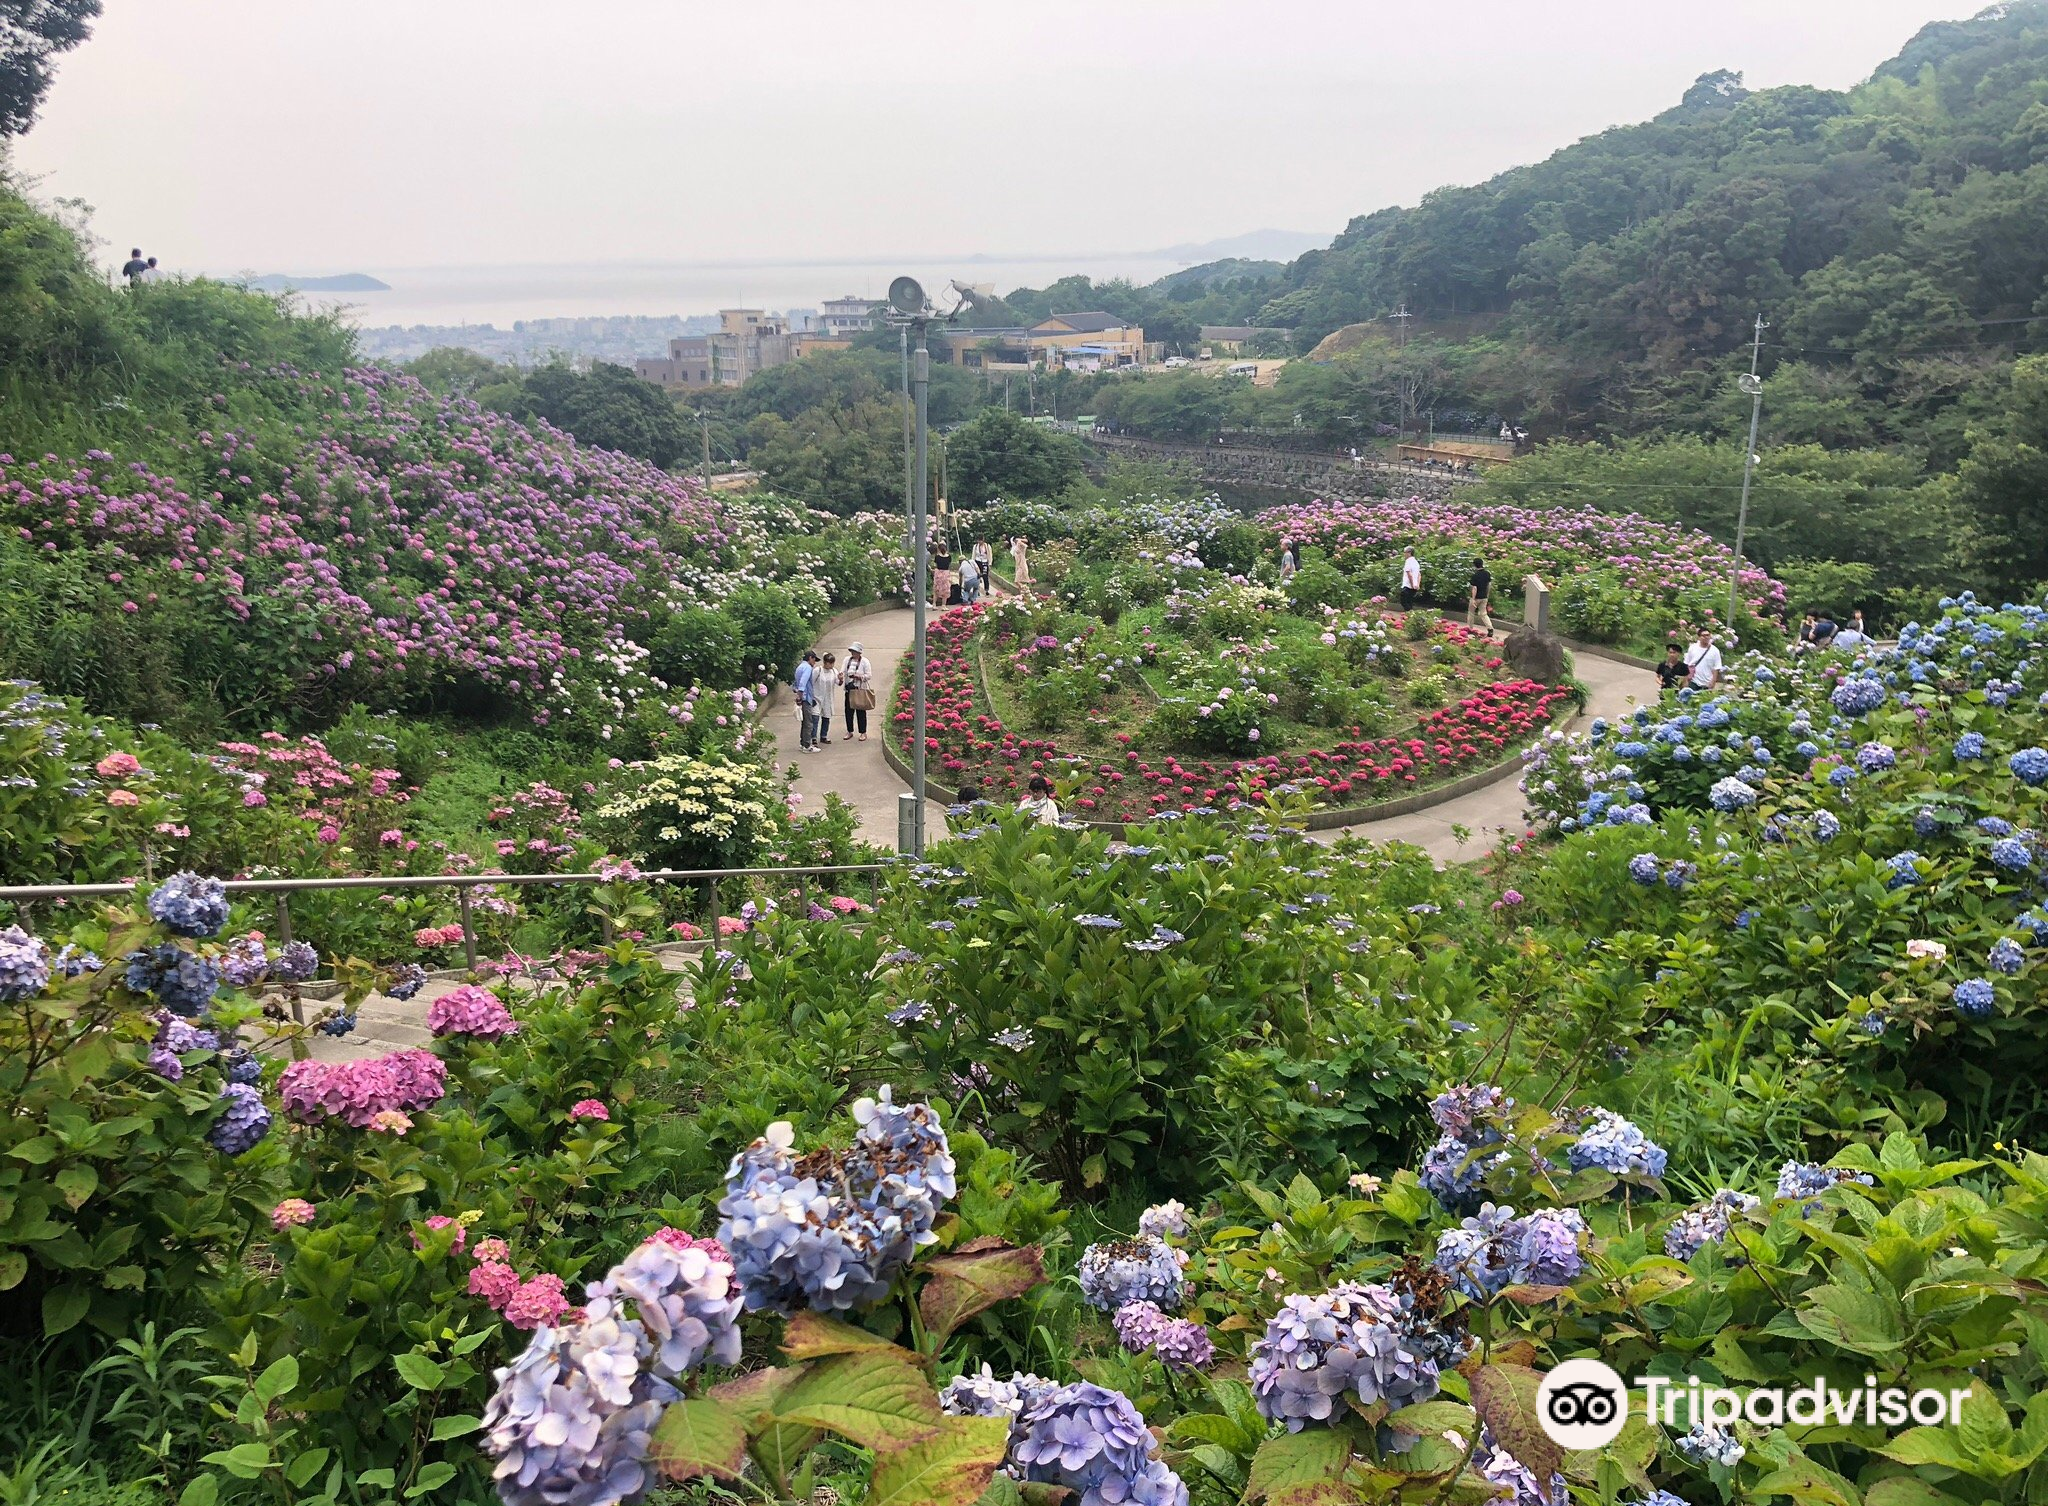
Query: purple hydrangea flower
[
  {"x": 1975, "y": 998},
  {"x": 1120, "y": 1271},
  {"x": 1092, "y": 1441},
  {"x": 183, "y": 983},
  {"x": 687, "y": 1300},
  {"x": 296, "y": 962},
  {"x": 1162, "y": 1219},
  {"x": 1615, "y": 1144},
  {"x": 245, "y": 963},
  {"x": 1183, "y": 1344},
  {"x": 189, "y": 905},
  {"x": 1706, "y": 1224},
  {"x": 1137, "y": 1324},
  {"x": 243, "y": 1122},
  {"x": 1351, "y": 1338},
  {"x": 1548, "y": 1252},
  {"x": 24, "y": 965},
  {"x": 983, "y": 1395},
  {"x": 1479, "y": 1254},
  {"x": 407, "y": 981},
  {"x": 1808, "y": 1180},
  {"x": 1859, "y": 695},
  {"x": 2007, "y": 956},
  {"x": 1643, "y": 868}
]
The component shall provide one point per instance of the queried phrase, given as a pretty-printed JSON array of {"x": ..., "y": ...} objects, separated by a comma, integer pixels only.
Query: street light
[
  {"x": 911, "y": 314},
  {"x": 1752, "y": 384}
]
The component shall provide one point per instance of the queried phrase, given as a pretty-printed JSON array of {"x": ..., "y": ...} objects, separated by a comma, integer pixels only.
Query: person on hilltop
[
  {"x": 1672, "y": 672},
  {"x": 1704, "y": 662},
  {"x": 806, "y": 703},
  {"x": 857, "y": 679},
  {"x": 1039, "y": 803},
  {"x": 1476, "y": 613},
  {"x": 134, "y": 267},
  {"x": 150, "y": 272},
  {"x": 1411, "y": 579},
  {"x": 822, "y": 684}
]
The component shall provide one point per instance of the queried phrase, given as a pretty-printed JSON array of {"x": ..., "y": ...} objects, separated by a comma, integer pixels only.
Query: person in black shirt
[
  {"x": 1824, "y": 630},
  {"x": 1482, "y": 589},
  {"x": 1671, "y": 673},
  {"x": 134, "y": 267}
]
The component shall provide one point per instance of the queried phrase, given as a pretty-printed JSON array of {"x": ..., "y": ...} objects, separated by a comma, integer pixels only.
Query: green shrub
[
  {"x": 713, "y": 648},
  {"x": 773, "y": 632}
]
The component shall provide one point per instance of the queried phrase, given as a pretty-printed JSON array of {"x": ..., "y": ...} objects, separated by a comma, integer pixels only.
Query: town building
[
  {"x": 1229, "y": 339},
  {"x": 847, "y": 316},
  {"x": 1081, "y": 342},
  {"x": 747, "y": 341}
]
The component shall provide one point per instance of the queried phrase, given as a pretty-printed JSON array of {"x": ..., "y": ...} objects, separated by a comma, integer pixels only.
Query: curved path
[{"x": 857, "y": 773}]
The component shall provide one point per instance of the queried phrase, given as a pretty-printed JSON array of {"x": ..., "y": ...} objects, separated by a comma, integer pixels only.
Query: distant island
[{"x": 347, "y": 282}]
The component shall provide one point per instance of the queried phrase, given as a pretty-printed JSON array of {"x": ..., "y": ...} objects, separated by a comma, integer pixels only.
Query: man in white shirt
[
  {"x": 1411, "y": 579},
  {"x": 1704, "y": 660}
]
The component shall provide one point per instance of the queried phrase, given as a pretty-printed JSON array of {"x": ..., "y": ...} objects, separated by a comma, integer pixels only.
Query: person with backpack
[{"x": 1482, "y": 592}]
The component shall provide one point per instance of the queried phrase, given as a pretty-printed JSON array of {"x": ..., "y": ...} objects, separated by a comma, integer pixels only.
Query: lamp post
[
  {"x": 1753, "y": 384},
  {"x": 912, "y": 315}
]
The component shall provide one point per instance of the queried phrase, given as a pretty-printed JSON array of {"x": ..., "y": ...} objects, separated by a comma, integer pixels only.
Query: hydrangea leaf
[
  {"x": 963, "y": 1284},
  {"x": 1907, "y": 1490},
  {"x": 1300, "y": 1469},
  {"x": 874, "y": 1398},
  {"x": 1430, "y": 1418},
  {"x": 699, "y": 1436},
  {"x": 813, "y": 1336},
  {"x": 1505, "y": 1395},
  {"x": 950, "y": 1466}
]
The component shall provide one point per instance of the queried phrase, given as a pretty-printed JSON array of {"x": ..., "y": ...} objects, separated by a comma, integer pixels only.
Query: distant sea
[{"x": 501, "y": 295}]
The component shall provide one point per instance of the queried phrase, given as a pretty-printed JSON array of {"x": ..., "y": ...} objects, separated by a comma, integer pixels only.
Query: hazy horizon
[{"x": 383, "y": 134}]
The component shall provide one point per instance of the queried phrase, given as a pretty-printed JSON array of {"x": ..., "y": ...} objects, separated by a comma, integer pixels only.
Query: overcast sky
[{"x": 320, "y": 135}]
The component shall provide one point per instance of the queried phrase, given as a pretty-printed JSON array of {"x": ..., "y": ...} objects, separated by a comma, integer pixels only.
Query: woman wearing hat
[{"x": 857, "y": 678}]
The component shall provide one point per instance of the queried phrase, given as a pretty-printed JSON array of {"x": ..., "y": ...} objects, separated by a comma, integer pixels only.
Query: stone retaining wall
[{"x": 1321, "y": 475}]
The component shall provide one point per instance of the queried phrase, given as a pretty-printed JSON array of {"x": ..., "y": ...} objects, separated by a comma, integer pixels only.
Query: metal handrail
[{"x": 464, "y": 884}]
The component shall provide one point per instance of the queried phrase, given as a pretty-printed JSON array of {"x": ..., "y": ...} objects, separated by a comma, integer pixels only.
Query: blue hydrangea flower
[
  {"x": 1680, "y": 873},
  {"x": 407, "y": 981},
  {"x": 573, "y": 1417},
  {"x": 244, "y": 1120},
  {"x": 1548, "y": 1252},
  {"x": 337, "y": 1024},
  {"x": 2013, "y": 855},
  {"x": 1705, "y": 1443},
  {"x": 1826, "y": 826},
  {"x": 1705, "y": 1224},
  {"x": 1994, "y": 826},
  {"x": 2029, "y": 766},
  {"x": 1349, "y": 1339},
  {"x": 1663, "y": 1498},
  {"x": 189, "y": 905},
  {"x": 296, "y": 962},
  {"x": 73, "y": 961},
  {"x": 832, "y": 1231},
  {"x": 183, "y": 983},
  {"x": 1644, "y": 868},
  {"x": 1841, "y": 776},
  {"x": 2006, "y": 956},
  {"x": 24, "y": 965},
  {"x": 1975, "y": 998},
  {"x": 1859, "y": 695},
  {"x": 1969, "y": 746},
  {"x": 1099, "y": 922},
  {"x": 1092, "y": 1441},
  {"x": 1807, "y": 1180},
  {"x": 241, "y": 1065},
  {"x": 1479, "y": 1254},
  {"x": 1454, "y": 1175},
  {"x": 686, "y": 1300},
  {"x": 982, "y": 1394},
  {"x": 1617, "y": 1145},
  {"x": 1875, "y": 758},
  {"x": 1731, "y": 795},
  {"x": 1121, "y": 1271}
]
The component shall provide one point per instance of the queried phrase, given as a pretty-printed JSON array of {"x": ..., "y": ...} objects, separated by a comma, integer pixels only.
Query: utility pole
[
  {"x": 920, "y": 383},
  {"x": 704, "y": 423},
  {"x": 1401, "y": 316},
  {"x": 1753, "y": 384},
  {"x": 909, "y": 517}
]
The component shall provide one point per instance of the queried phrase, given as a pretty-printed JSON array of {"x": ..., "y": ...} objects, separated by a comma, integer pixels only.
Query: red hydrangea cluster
[
  {"x": 963, "y": 739},
  {"x": 355, "y": 1092}
]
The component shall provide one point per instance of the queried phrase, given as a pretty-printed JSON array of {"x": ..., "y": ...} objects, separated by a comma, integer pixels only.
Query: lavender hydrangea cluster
[
  {"x": 1704, "y": 1443},
  {"x": 829, "y": 1230},
  {"x": 1179, "y": 1343},
  {"x": 2029, "y": 766},
  {"x": 1352, "y": 1338},
  {"x": 1616, "y": 1145},
  {"x": 1975, "y": 998},
  {"x": 1859, "y": 695},
  {"x": 295, "y": 962},
  {"x": 1731, "y": 794},
  {"x": 1515, "y": 1483},
  {"x": 189, "y": 905},
  {"x": 407, "y": 981},
  {"x": 24, "y": 965},
  {"x": 1162, "y": 1219},
  {"x": 981, "y": 1394},
  {"x": 1808, "y": 1180},
  {"x": 182, "y": 982},
  {"x": 1696, "y": 1228},
  {"x": 245, "y": 963},
  {"x": 1118, "y": 1271},
  {"x": 1092, "y": 1441},
  {"x": 244, "y": 1120},
  {"x": 1494, "y": 1249},
  {"x": 573, "y": 1417},
  {"x": 1468, "y": 1116}
]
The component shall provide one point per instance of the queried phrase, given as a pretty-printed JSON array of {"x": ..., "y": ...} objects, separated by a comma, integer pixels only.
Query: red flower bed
[{"x": 963, "y": 739}]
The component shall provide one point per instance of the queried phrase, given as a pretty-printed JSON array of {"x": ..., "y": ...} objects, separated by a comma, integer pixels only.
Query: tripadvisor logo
[{"x": 1583, "y": 1404}]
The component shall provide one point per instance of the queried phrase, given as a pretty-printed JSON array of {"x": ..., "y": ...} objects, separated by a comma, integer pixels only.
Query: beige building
[
  {"x": 848, "y": 316},
  {"x": 748, "y": 340},
  {"x": 1082, "y": 342}
]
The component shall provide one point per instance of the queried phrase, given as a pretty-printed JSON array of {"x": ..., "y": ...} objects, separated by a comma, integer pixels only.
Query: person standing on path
[
  {"x": 1671, "y": 673},
  {"x": 1704, "y": 660},
  {"x": 857, "y": 677},
  {"x": 1411, "y": 579},
  {"x": 1019, "y": 551},
  {"x": 806, "y": 704},
  {"x": 1482, "y": 592},
  {"x": 821, "y": 687},
  {"x": 985, "y": 565}
]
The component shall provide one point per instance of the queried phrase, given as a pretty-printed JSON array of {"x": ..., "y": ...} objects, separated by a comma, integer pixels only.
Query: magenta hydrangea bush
[{"x": 356, "y": 1092}]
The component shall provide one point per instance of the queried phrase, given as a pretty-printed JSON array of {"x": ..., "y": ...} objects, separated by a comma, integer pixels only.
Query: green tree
[
  {"x": 32, "y": 33},
  {"x": 1002, "y": 455},
  {"x": 2003, "y": 483},
  {"x": 606, "y": 406}
]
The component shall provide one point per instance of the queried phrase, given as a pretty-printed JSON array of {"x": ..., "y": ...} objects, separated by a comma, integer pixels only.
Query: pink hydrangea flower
[
  {"x": 682, "y": 1240},
  {"x": 494, "y": 1281},
  {"x": 589, "y": 1108},
  {"x": 118, "y": 765},
  {"x": 441, "y": 1221},
  {"x": 254, "y": 798},
  {"x": 328, "y": 834},
  {"x": 293, "y": 1210},
  {"x": 470, "y": 1010},
  {"x": 355, "y": 1092},
  {"x": 123, "y": 797},
  {"x": 492, "y": 1249},
  {"x": 538, "y": 1303},
  {"x": 390, "y": 1122}
]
